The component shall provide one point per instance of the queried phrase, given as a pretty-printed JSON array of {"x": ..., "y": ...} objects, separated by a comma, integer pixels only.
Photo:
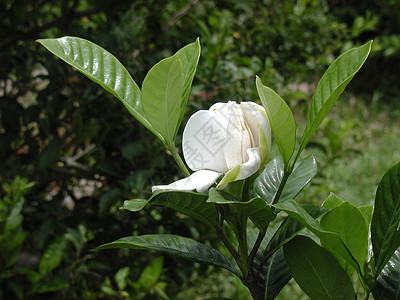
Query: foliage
[{"x": 321, "y": 271}]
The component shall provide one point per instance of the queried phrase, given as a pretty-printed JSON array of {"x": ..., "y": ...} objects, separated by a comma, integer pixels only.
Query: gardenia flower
[{"x": 229, "y": 139}]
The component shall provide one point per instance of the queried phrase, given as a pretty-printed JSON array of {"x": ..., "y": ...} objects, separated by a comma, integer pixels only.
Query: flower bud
[{"x": 229, "y": 139}]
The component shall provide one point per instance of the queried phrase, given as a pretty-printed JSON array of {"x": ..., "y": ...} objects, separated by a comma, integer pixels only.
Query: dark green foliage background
[{"x": 50, "y": 113}]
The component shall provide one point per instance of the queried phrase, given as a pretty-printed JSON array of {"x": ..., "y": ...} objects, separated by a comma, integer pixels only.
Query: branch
[
  {"x": 72, "y": 161},
  {"x": 180, "y": 13}
]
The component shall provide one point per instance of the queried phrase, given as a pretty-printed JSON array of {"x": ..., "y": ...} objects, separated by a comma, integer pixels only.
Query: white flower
[{"x": 229, "y": 139}]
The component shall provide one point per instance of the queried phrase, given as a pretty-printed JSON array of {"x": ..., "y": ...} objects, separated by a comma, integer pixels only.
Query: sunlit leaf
[
  {"x": 332, "y": 201},
  {"x": 330, "y": 240},
  {"x": 189, "y": 57},
  {"x": 103, "y": 68},
  {"x": 349, "y": 223},
  {"x": 162, "y": 96},
  {"x": 281, "y": 119},
  {"x": 331, "y": 86}
]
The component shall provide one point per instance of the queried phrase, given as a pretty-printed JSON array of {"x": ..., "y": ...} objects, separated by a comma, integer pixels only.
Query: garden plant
[{"x": 242, "y": 193}]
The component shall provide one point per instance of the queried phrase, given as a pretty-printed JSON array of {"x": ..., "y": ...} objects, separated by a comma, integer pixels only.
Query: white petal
[
  {"x": 238, "y": 138},
  {"x": 243, "y": 171},
  {"x": 250, "y": 115},
  {"x": 203, "y": 140},
  {"x": 199, "y": 181},
  {"x": 264, "y": 129},
  {"x": 252, "y": 165},
  {"x": 256, "y": 118}
]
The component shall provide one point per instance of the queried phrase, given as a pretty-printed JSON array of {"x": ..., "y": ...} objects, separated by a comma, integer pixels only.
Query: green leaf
[
  {"x": 288, "y": 229},
  {"x": 175, "y": 245},
  {"x": 274, "y": 273},
  {"x": 49, "y": 285},
  {"x": 53, "y": 255},
  {"x": 267, "y": 183},
  {"x": 120, "y": 278},
  {"x": 103, "y": 68},
  {"x": 386, "y": 216},
  {"x": 332, "y": 201},
  {"x": 349, "y": 223},
  {"x": 259, "y": 212},
  {"x": 189, "y": 203},
  {"x": 366, "y": 210},
  {"x": 162, "y": 96},
  {"x": 331, "y": 86},
  {"x": 388, "y": 282},
  {"x": 281, "y": 119},
  {"x": 317, "y": 272},
  {"x": 189, "y": 57},
  {"x": 330, "y": 240},
  {"x": 151, "y": 273},
  {"x": 15, "y": 217}
]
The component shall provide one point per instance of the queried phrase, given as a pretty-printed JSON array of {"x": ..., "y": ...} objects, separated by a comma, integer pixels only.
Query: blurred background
[{"x": 70, "y": 153}]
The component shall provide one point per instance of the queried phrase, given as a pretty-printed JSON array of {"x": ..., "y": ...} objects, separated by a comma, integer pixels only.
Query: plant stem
[
  {"x": 171, "y": 148},
  {"x": 257, "y": 244},
  {"x": 285, "y": 177},
  {"x": 227, "y": 243},
  {"x": 366, "y": 296}
]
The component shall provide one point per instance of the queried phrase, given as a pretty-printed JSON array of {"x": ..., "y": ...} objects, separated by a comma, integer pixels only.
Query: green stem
[
  {"x": 285, "y": 177},
  {"x": 243, "y": 247},
  {"x": 171, "y": 148},
  {"x": 227, "y": 243},
  {"x": 257, "y": 244},
  {"x": 366, "y": 296}
]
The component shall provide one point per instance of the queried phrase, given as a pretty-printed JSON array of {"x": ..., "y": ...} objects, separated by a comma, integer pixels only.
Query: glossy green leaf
[
  {"x": 349, "y": 223},
  {"x": 267, "y": 183},
  {"x": 288, "y": 229},
  {"x": 103, "y": 68},
  {"x": 175, "y": 245},
  {"x": 281, "y": 119},
  {"x": 189, "y": 57},
  {"x": 189, "y": 203},
  {"x": 274, "y": 273},
  {"x": 332, "y": 201},
  {"x": 317, "y": 271},
  {"x": 330, "y": 240},
  {"x": 386, "y": 216},
  {"x": 331, "y": 86},
  {"x": 259, "y": 212},
  {"x": 388, "y": 282},
  {"x": 269, "y": 261},
  {"x": 162, "y": 96}
]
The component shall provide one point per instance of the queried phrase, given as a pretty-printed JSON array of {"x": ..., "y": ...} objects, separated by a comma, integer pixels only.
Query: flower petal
[
  {"x": 199, "y": 181},
  {"x": 203, "y": 140},
  {"x": 257, "y": 120},
  {"x": 264, "y": 133},
  {"x": 243, "y": 171},
  {"x": 238, "y": 139}
]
